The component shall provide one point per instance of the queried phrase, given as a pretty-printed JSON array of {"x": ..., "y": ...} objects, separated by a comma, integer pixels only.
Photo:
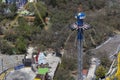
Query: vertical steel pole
[{"x": 80, "y": 54}]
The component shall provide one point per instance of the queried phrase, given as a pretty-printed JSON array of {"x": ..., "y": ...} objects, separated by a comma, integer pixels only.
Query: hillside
[
  {"x": 102, "y": 15},
  {"x": 104, "y": 18}
]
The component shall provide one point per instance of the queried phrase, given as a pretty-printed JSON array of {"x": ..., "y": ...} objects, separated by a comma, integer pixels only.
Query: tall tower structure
[{"x": 80, "y": 16}]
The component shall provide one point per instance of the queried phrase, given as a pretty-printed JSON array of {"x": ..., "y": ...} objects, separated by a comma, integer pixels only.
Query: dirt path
[{"x": 110, "y": 46}]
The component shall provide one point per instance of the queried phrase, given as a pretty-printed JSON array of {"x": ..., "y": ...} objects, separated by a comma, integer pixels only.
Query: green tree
[
  {"x": 2, "y": 6},
  {"x": 62, "y": 74},
  {"x": 86, "y": 61},
  {"x": 24, "y": 29},
  {"x": 40, "y": 11},
  {"x": 13, "y": 9},
  {"x": 5, "y": 47},
  {"x": 10, "y": 37},
  {"x": 30, "y": 7},
  {"x": 69, "y": 63},
  {"x": 53, "y": 3},
  {"x": 104, "y": 59},
  {"x": 1, "y": 31},
  {"x": 21, "y": 45},
  {"x": 100, "y": 72}
]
